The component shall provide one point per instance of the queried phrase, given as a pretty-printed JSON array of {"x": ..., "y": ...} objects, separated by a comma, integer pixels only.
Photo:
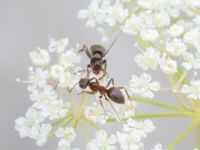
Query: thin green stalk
[
  {"x": 155, "y": 103},
  {"x": 55, "y": 123},
  {"x": 93, "y": 124},
  {"x": 157, "y": 115},
  {"x": 197, "y": 138},
  {"x": 68, "y": 122},
  {"x": 75, "y": 123},
  {"x": 84, "y": 99},
  {"x": 83, "y": 128},
  {"x": 183, "y": 134},
  {"x": 182, "y": 104},
  {"x": 69, "y": 95}
]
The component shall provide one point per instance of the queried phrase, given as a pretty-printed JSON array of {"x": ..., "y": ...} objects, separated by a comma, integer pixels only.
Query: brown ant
[
  {"x": 113, "y": 93},
  {"x": 96, "y": 53}
]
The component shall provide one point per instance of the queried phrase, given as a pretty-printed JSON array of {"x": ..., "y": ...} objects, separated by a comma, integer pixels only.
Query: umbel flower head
[{"x": 55, "y": 112}]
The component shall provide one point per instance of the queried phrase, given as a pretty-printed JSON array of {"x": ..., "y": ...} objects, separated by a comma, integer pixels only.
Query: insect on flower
[
  {"x": 108, "y": 92},
  {"x": 96, "y": 53}
]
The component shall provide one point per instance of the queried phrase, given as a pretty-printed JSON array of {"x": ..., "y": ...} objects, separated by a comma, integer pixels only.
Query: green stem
[
  {"x": 75, "y": 123},
  {"x": 55, "y": 123},
  {"x": 67, "y": 122},
  {"x": 93, "y": 124},
  {"x": 183, "y": 134},
  {"x": 69, "y": 95},
  {"x": 83, "y": 128},
  {"x": 197, "y": 138},
  {"x": 156, "y": 115},
  {"x": 155, "y": 103},
  {"x": 84, "y": 99}
]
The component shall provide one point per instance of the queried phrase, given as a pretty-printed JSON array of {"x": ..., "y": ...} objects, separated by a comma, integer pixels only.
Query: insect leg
[
  {"x": 113, "y": 107},
  {"x": 133, "y": 107},
  {"x": 104, "y": 62},
  {"x": 88, "y": 92},
  {"x": 85, "y": 48},
  {"x": 111, "y": 80},
  {"x": 101, "y": 103}
]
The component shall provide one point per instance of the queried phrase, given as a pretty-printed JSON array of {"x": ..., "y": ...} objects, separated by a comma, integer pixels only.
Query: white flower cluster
[
  {"x": 55, "y": 72},
  {"x": 128, "y": 139},
  {"x": 167, "y": 32},
  {"x": 45, "y": 81}
]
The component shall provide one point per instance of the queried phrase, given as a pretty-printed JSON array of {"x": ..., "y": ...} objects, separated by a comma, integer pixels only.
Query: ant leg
[
  {"x": 101, "y": 103},
  {"x": 88, "y": 71},
  {"x": 70, "y": 90},
  {"x": 104, "y": 69},
  {"x": 133, "y": 107},
  {"x": 85, "y": 48},
  {"x": 95, "y": 80},
  {"x": 113, "y": 107},
  {"x": 80, "y": 71},
  {"x": 125, "y": 91},
  {"x": 111, "y": 80},
  {"x": 88, "y": 92}
]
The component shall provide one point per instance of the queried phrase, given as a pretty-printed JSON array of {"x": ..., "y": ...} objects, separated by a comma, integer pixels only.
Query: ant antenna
[
  {"x": 111, "y": 45},
  {"x": 70, "y": 90}
]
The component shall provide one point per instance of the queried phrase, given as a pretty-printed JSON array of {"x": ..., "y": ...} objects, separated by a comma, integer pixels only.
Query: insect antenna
[{"x": 111, "y": 45}]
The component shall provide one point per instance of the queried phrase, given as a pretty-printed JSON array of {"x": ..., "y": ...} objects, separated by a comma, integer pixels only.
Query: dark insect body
[
  {"x": 96, "y": 53},
  {"x": 114, "y": 93}
]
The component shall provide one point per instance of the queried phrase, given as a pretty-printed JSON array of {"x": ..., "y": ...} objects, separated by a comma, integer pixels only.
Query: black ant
[
  {"x": 96, "y": 53},
  {"x": 114, "y": 93}
]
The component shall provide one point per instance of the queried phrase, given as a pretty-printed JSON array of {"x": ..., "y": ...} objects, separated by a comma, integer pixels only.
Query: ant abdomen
[
  {"x": 97, "y": 49},
  {"x": 116, "y": 95}
]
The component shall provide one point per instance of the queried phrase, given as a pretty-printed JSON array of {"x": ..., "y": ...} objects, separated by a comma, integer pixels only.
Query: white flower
[
  {"x": 55, "y": 109},
  {"x": 102, "y": 141},
  {"x": 29, "y": 126},
  {"x": 157, "y": 147},
  {"x": 57, "y": 71},
  {"x": 176, "y": 47},
  {"x": 93, "y": 14},
  {"x": 117, "y": 12},
  {"x": 64, "y": 145},
  {"x": 41, "y": 96},
  {"x": 190, "y": 61},
  {"x": 68, "y": 134},
  {"x": 38, "y": 78},
  {"x": 192, "y": 90},
  {"x": 69, "y": 59},
  {"x": 193, "y": 36},
  {"x": 161, "y": 18},
  {"x": 143, "y": 86},
  {"x": 43, "y": 134},
  {"x": 95, "y": 113},
  {"x": 58, "y": 46},
  {"x": 68, "y": 80},
  {"x": 176, "y": 30},
  {"x": 132, "y": 25},
  {"x": 148, "y": 4},
  {"x": 141, "y": 129},
  {"x": 149, "y": 34},
  {"x": 40, "y": 57},
  {"x": 168, "y": 65},
  {"x": 129, "y": 141},
  {"x": 149, "y": 59}
]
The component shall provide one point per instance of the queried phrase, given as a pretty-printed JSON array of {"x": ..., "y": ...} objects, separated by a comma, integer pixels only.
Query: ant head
[
  {"x": 96, "y": 64},
  {"x": 83, "y": 83},
  {"x": 96, "y": 48}
]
